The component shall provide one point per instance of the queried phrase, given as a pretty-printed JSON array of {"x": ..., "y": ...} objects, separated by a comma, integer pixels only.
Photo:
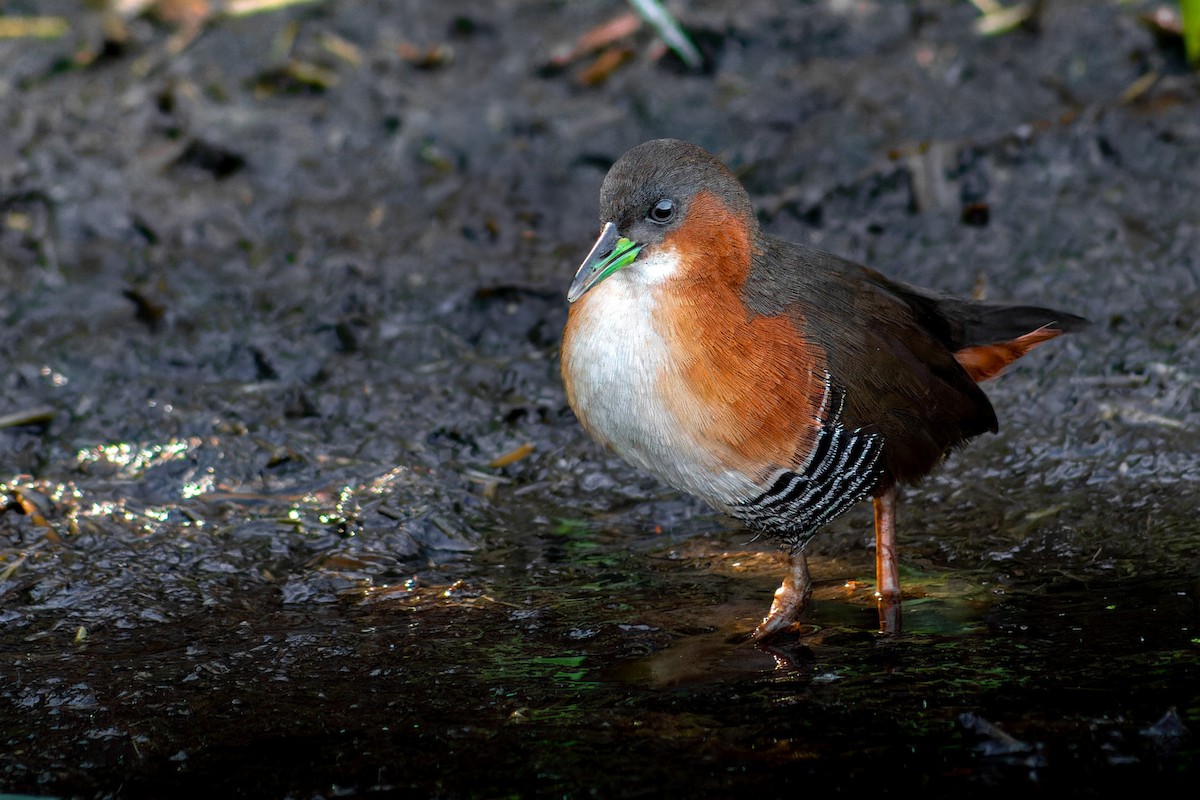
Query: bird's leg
[
  {"x": 790, "y": 598},
  {"x": 887, "y": 576}
]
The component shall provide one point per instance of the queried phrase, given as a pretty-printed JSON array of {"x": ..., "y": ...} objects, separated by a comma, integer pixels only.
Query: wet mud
[{"x": 291, "y": 502}]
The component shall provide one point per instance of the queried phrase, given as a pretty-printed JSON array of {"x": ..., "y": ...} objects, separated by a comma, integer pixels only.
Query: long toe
[{"x": 791, "y": 598}]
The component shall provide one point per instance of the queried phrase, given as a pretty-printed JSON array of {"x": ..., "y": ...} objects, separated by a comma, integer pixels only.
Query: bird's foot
[
  {"x": 889, "y": 612},
  {"x": 791, "y": 598},
  {"x": 785, "y": 610}
]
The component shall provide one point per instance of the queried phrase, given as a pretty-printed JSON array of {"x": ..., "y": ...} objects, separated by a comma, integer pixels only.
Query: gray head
[
  {"x": 646, "y": 198},
  {"x": 665, "y": 169}
]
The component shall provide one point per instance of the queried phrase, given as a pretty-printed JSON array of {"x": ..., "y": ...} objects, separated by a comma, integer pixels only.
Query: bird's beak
[{"x": 610, "y": 253}]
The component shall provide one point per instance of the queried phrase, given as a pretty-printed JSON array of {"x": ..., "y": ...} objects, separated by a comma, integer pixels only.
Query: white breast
[{"x": 616, "y": 366}]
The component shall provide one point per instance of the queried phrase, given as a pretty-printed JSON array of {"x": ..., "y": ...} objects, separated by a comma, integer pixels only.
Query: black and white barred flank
[{"x": 844, "y": 467}]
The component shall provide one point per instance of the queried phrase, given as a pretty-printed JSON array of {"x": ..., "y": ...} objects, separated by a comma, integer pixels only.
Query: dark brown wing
[{"x": 907, "y": 359}]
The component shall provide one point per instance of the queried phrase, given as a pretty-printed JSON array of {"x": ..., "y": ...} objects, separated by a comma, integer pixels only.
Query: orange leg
[
  {"x": 790, "y": 599},
  {"x": 887, "y": 576}
]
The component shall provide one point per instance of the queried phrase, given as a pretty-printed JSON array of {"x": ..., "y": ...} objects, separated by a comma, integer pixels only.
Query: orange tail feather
[{"x": 989, "y": 360}]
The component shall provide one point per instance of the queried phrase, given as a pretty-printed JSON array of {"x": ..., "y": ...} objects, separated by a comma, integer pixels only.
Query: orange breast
[{"x": 748, "y": 388}]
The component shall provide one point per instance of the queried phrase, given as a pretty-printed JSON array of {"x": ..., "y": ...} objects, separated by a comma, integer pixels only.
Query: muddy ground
[{"x": 291, "y": 504}]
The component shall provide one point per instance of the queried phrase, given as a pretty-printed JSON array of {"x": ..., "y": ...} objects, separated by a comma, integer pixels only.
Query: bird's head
[{"x": 666, "y": 206}]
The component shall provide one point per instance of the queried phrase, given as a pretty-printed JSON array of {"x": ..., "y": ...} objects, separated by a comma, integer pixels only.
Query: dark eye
[{"x": 662, "y": 212}]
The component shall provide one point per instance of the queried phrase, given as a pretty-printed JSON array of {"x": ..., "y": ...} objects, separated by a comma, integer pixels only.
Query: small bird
[{"x": 778, "y": 383}]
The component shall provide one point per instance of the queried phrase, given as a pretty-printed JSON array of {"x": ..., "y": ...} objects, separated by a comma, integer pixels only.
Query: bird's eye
[{"x": 662, "y": 212}]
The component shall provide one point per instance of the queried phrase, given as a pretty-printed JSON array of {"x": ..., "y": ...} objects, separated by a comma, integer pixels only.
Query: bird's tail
[
  {"x": 990, "y": 337},
  {"x": 989, "y": 360}
]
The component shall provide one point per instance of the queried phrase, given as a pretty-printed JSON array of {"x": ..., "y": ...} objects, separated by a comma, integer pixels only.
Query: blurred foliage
[{"x": 1189, "y": 11}]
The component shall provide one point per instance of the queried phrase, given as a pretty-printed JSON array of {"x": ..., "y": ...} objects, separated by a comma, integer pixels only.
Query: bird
[{"x": 780, "y": 384}]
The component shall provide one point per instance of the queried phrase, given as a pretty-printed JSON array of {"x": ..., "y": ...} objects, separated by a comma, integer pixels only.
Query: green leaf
[{"x": 1189, "y": 12}]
